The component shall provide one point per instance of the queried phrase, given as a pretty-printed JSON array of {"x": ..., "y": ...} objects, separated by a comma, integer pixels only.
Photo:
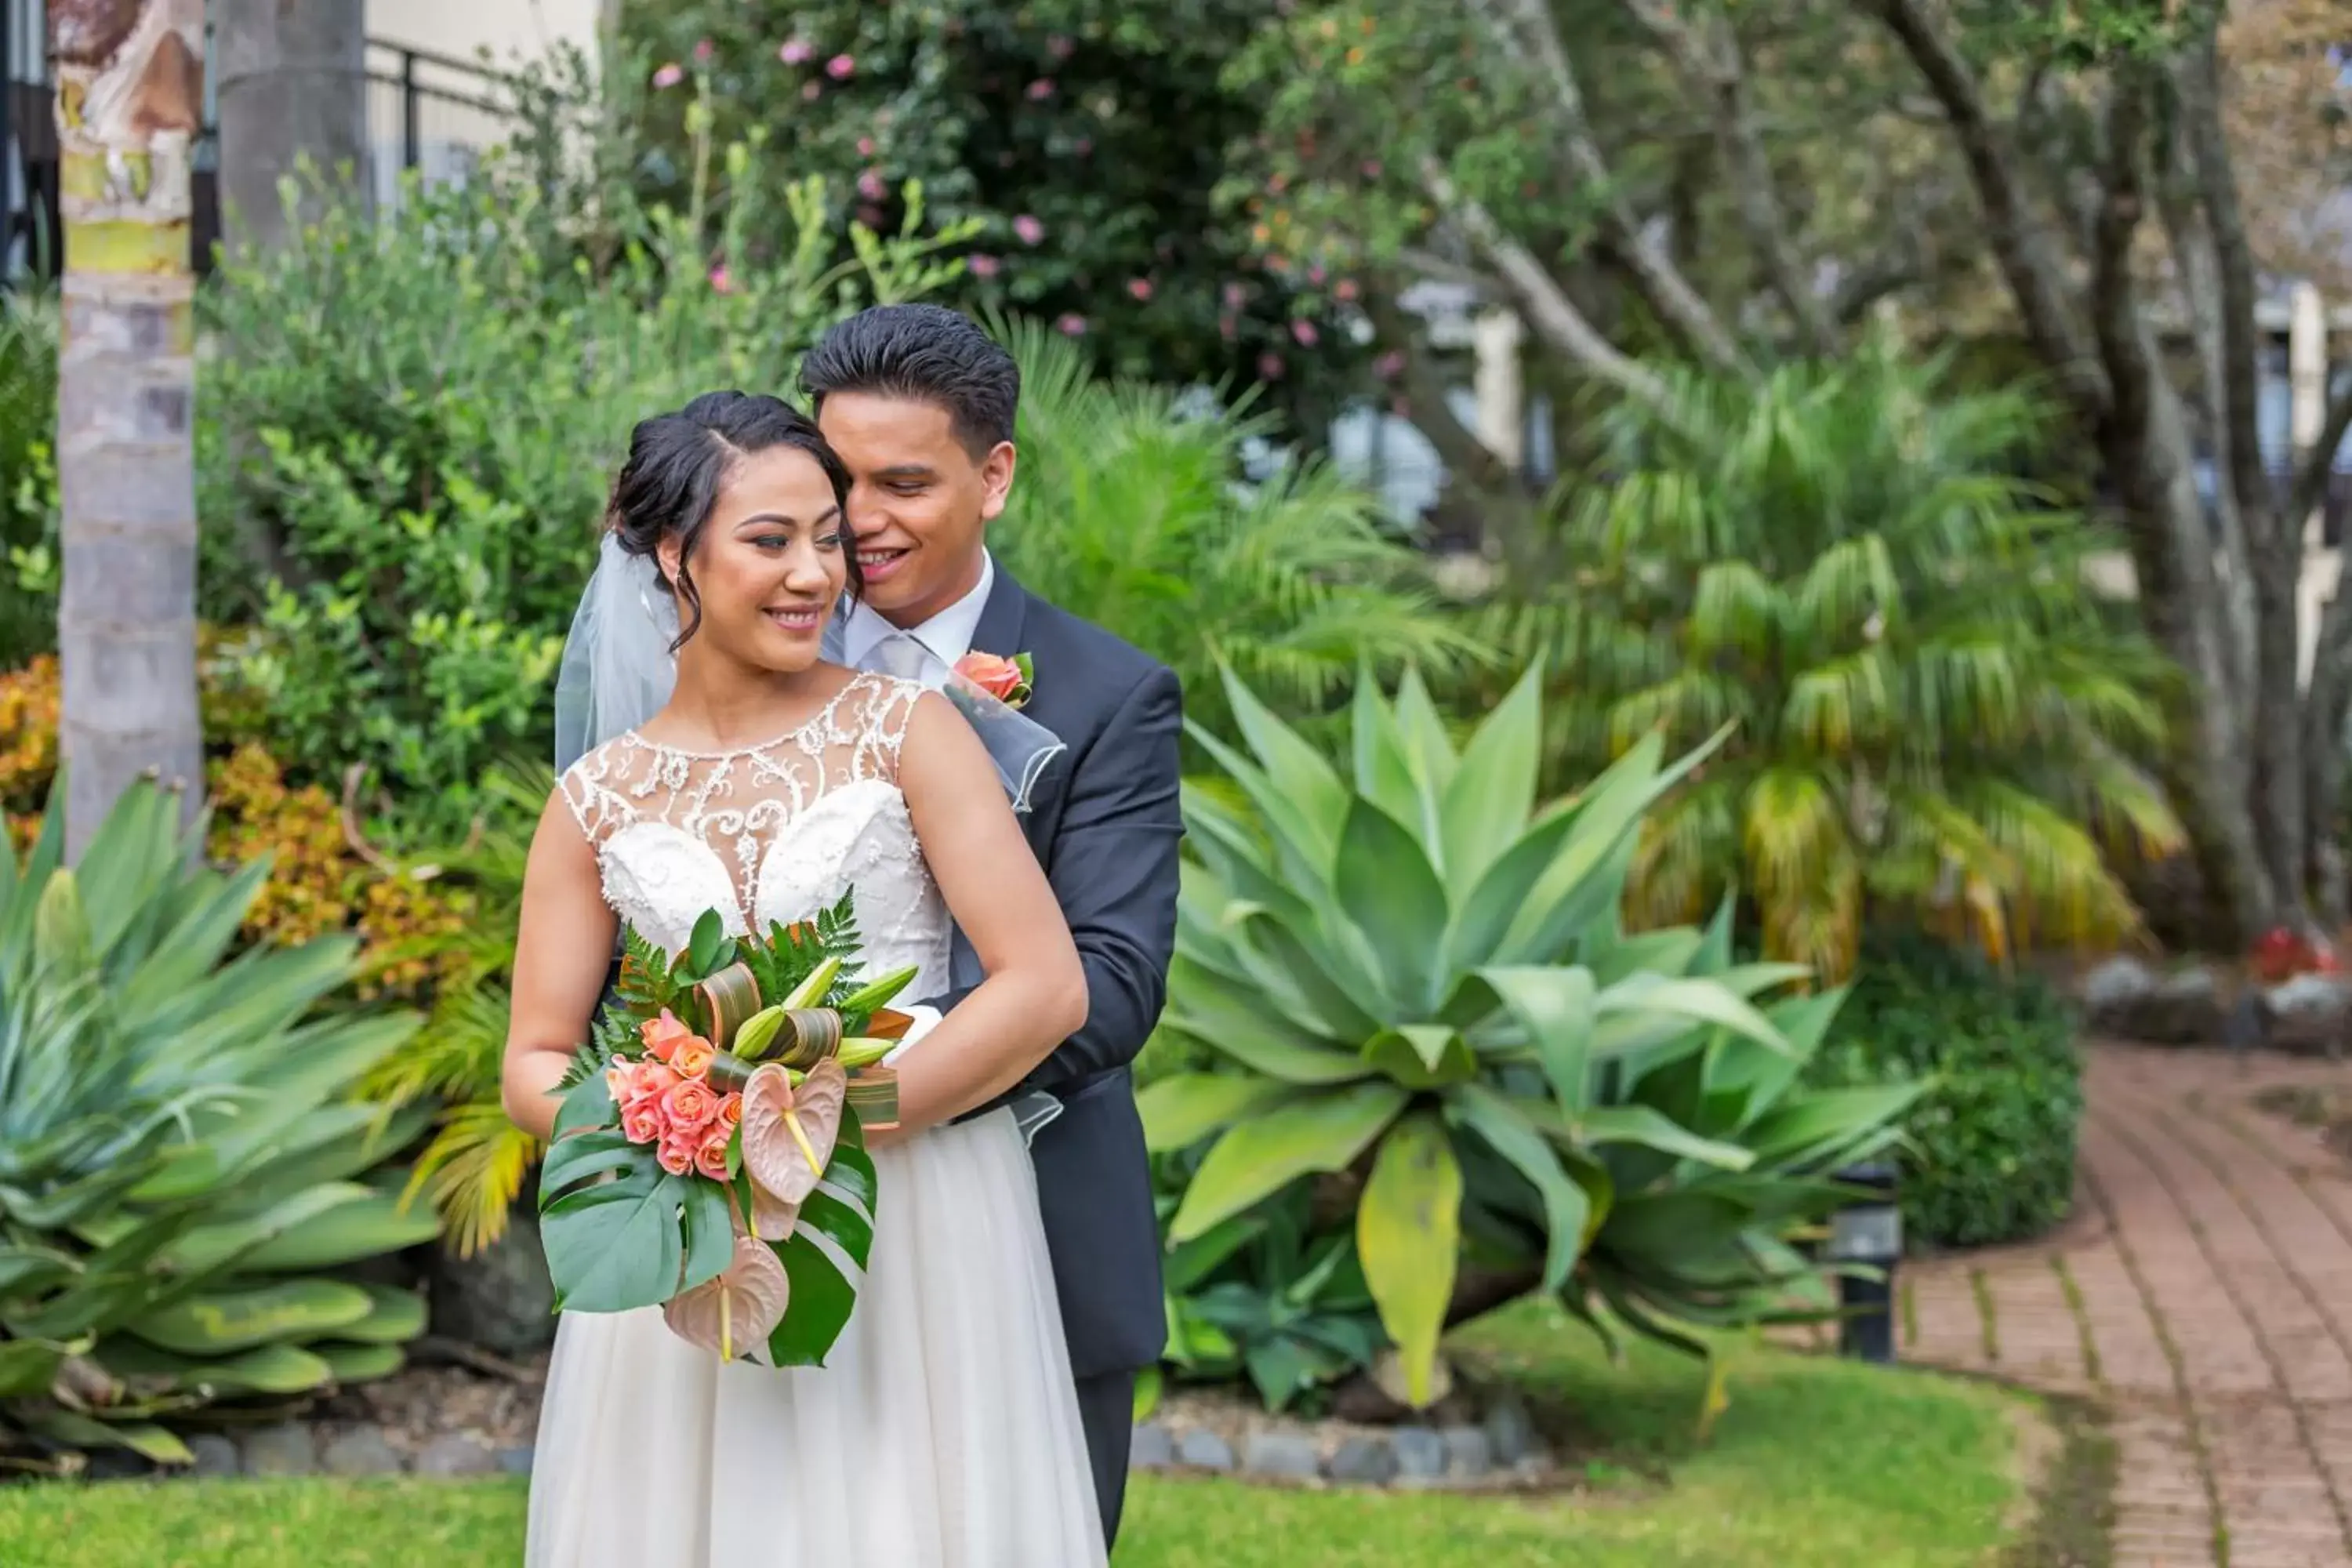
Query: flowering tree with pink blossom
[{"x": 1087, "y": 142}]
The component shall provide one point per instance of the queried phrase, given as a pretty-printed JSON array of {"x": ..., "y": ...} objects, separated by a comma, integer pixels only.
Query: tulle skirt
[{"x": 942, "y": 1433}]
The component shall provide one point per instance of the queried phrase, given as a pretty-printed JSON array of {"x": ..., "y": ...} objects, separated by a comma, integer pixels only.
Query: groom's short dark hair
[{"x": 925, "y": 354}]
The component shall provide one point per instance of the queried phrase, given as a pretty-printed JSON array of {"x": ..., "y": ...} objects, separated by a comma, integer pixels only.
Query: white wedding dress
[{"x": 943, "y": 1431}]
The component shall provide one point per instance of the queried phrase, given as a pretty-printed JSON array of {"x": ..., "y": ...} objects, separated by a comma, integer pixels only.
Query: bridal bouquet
[{"x": 709, "y": 1157}]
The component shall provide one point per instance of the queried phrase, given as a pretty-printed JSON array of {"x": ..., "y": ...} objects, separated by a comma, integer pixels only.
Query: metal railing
[{"x": 429, "y": 112}]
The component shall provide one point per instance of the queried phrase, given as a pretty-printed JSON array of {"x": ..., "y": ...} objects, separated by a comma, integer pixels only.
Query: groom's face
[{"x": 919, "y": 501}]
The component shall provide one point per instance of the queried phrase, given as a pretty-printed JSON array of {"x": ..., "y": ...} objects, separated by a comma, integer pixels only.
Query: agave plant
[
  {"x": 179, "y": 1171},
  {"x": 1423, "y": 978}
]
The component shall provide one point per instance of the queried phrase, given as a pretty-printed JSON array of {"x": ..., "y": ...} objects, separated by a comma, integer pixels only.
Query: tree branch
[
  {"x": 1710, "y": 62},
  {"x": 2310, "y": 490},
  {"x": 1528, "y": 24},
  {"x": 1548, "y": 307},
  {"x": 2200, "y": 84},
  {"x": 2022, "y": 243}
]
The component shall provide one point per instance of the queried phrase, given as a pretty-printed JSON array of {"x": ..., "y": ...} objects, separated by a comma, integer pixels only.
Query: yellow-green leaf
[
  {"x": 1409, "y": 1238},
  {"x": 1263, "y": 1156}
]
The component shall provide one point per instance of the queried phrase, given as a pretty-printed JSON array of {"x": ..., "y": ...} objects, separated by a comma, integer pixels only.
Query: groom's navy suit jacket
[{"x": 1105, "y": 823}]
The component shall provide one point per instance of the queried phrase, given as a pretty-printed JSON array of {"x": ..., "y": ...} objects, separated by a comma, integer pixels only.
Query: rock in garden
[
  {"x": 1365, "y": 1461},
  {"x": 1420, "y": 1452},
  {"x": 1280, "y": 1454},
  {"x": 502, "y": 1299},
  {"x": 359, "y": 1451},
  {"x": 2310, "y": 1014},
  {"x": 456, "y": 1454},
  {"x": 515, "y": 1461},
  {"x": 1509, "y": 1433},
  {"x": 215, "y": 1455},
  {"x": 2124, "y": 999},
  {"x": 284, "y": 1450},
  {"x": 1150, "y": 1448},
  {"x": 1204, "y": 1451},
  {"x": 1468, "y": 1452}
]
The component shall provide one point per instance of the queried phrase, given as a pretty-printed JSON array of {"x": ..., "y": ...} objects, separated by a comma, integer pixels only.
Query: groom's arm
[{"x": 1112, "y": 864}]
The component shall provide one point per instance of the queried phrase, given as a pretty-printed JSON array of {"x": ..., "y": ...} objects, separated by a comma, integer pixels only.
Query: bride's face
[{"x": 768, "y": 565}]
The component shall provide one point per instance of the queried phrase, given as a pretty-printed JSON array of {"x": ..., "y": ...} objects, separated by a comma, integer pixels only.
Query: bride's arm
[
  {"x": 1036, "y": 993},
  {"x": 562, "y": 951}
]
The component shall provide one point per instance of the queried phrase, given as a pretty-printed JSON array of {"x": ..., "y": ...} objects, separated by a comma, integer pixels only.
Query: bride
[{"x": 943, "y": 1432}]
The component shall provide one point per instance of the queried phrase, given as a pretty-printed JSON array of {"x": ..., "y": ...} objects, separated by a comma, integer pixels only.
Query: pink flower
[
  {"x": 1227, "y": 327},
  {"x": 675, "y": 1154},
  {"x": 811, "y": 89},
  {"x": 1072, "y": 325},
  {"x": 1059, "y": 46},
  {"x": 1030, "y": 230},
  {"x": 670, "y": 75},
  {"x": 1345, "y": 288},
  {"x": 1305, "y": 332},
  {"x": 869, "y": 185},
  {"x": 796, "y": 52},
  {"x": 1040, "y": 90},
  {"x": 1140, "y": 286},
  {"x": 1390, "y": 365},
  {"x": 730, "y": 1110},
  {"x": 984, "y": 266},
  {"x": 690, "y": 1107},
  {"x": 662, "y": 1035},
  {"x": 654, "y": 1080},
  {"x": 1234, "y": 295},
  {"x": 1082, "y": 145},
  {"x": 1269, "y": 366},
  {"x": 621, "y": 1080},
  {"x": 840, "y": 66},
  {"x": 719, "y": 281},
  {"x": 1000, "y": 677},
  {"x": 1371, "y": 168},
  {"x": 710, "y": 1155},
  {"x": 865, "y": 146},
  {"x": 1314, "y": 273},
  {"x": 702, "y": 51},
  {"x": 642, "y": 1122}
]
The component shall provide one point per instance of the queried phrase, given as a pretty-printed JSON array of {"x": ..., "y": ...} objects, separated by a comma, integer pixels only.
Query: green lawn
[{"x": 1816, "y": 1463}]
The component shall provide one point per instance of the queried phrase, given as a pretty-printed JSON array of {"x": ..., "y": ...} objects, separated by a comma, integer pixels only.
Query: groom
[{"x": 919, "y": 404}]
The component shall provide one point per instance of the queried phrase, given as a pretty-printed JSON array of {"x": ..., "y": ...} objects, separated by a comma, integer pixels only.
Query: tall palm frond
[
  {"x": 1935, "y": 707},
  {"x": 1132, "y": 510}
]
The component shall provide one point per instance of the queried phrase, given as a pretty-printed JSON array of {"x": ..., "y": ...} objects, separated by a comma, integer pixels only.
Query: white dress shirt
[{"x": 945, "y": 637}]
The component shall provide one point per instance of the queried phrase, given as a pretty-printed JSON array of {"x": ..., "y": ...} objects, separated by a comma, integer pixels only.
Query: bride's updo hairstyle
[{"x": 676, "y": 464}]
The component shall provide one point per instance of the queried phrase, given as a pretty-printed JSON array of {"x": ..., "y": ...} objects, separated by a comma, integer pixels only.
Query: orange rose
[
  {"x": 691, "y": 1058},
  {"x": 689, "y": 1107},
  {"x": 1000, "y": 677},
  {"x": 677, "y": 1154},
  {"x": 730, "y": 1110},
  {"x": 711, "y": 1158},
  {"x": 662, "y": 1035}
]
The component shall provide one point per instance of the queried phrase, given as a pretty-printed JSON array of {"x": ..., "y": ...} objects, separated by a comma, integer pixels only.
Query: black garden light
[{"x": 1868, "y": 1231}]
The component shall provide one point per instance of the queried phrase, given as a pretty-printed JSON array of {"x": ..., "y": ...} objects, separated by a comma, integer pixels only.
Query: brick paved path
[{"x": 2203, "y": 1292}]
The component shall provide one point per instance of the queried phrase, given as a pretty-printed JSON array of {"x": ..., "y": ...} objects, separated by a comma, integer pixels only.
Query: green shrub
[
  {"x": 181, "y": 1170},
  {"x": 1130, "y": 511},
  {"x": 29, "y": 476},
  {"x": 406, "y": 450},
  {"x": 1992, "y": 1150}
]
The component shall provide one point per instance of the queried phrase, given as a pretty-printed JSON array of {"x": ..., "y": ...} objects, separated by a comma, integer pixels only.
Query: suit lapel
[{"x": 1001, "y": 619}]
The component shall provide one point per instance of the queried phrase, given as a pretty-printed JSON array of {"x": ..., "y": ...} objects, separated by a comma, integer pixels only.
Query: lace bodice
[{"x": 770, "y": 833}]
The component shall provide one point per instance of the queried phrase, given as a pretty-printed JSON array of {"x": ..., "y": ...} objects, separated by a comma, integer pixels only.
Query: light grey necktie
[{"x": 902, "y": 655}]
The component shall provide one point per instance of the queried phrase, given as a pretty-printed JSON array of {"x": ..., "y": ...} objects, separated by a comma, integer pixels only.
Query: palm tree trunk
[{"x": 130, "y": 101}]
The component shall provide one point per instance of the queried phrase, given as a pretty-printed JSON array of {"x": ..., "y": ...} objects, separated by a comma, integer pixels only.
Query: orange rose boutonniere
[{"x": 1006, "y": 679}]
